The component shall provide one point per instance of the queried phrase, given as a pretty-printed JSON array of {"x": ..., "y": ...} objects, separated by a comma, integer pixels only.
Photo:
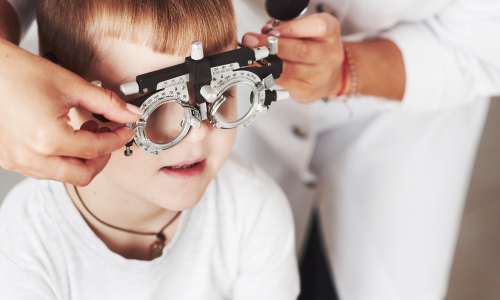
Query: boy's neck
[{"x": 122, "y": 211}]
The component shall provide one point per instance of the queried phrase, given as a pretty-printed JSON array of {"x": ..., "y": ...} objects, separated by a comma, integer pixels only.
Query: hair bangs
[{"x": 166, "y": 26}]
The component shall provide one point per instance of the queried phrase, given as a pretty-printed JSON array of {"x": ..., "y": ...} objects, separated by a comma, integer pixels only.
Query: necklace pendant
[{"x": 156, "y": 248}]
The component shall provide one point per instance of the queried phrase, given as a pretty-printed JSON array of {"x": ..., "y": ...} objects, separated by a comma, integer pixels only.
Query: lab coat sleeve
[
  {"x": 26, "y": 11},
  {"x": 452, "y": 57}
]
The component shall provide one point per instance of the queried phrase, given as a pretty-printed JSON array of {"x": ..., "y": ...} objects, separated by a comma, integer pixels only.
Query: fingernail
[
  {"x": 134, "y": 109},
  {"x": 89, "y": 126},
  {"x": 274, "y": 33},
  {"x": 250, "y": 41},
  {"x": 267, "y": 28}
]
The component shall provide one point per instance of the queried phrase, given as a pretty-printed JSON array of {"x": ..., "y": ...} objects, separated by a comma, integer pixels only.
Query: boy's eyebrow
[{"x": 229, "y": 92}]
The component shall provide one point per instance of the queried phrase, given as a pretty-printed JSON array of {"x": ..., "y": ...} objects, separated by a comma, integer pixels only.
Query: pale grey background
[{"x": 476, "y": 271}]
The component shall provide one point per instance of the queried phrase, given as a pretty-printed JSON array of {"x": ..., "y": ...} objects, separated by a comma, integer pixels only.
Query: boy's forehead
[
  {"x": 125, "y": 60},
  {"x": 121, "y": 60}
]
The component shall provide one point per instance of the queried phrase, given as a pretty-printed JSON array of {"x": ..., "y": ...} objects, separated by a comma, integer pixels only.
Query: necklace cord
[{"x": 158, "y": 234}]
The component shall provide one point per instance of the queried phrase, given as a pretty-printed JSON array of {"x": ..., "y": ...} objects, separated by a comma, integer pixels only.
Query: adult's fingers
[
  {"x": 64, "y": 89},
  {"x": 90, "y": 145},
  {"x": 299, "y": 50},
  {"x": 81, "y": 172},
  {"x": 76, "y": 171},
  {"x": 104, "y": 102},
  {"x": 306, "y": 72},
  {"x": 65, "y": 169},
  {"x": 303, "y": 92},
  {"x": 307, "y": 82},
  {"x": 321, "y": 25},
  {"x": 89, "y": 125}
]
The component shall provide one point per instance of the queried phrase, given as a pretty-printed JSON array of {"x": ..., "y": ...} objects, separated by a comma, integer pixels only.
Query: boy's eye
[{"x": 229, "y": 93}]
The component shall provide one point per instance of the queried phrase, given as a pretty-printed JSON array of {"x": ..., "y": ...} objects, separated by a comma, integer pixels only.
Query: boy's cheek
[{"x": 228, "y": 138}]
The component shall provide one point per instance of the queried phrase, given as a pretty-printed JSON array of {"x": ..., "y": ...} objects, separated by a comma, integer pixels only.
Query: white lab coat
[{"x": 389, "y": 183}]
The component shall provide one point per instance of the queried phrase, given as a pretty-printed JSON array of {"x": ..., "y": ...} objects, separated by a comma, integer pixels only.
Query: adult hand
[
  {"x": 312, "y": 54},
  {"x": 35, "y": 137}
]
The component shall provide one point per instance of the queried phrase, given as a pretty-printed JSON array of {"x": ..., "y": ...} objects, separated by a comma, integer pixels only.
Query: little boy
[{"x": 189, "y": 223}]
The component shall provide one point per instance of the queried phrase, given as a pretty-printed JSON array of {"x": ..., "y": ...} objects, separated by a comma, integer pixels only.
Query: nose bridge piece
[{"x": 198, "y": 133}]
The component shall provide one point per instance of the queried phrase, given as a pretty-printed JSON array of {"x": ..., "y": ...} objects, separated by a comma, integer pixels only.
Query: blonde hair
[{"x": 71, "y": 29}]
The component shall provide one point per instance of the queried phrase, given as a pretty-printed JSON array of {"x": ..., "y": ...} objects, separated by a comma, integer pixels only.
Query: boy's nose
[{"x": 196, "y": 135}]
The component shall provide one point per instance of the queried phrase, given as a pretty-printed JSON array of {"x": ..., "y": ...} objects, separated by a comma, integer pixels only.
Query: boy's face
[{"x": 176, "y": 178}]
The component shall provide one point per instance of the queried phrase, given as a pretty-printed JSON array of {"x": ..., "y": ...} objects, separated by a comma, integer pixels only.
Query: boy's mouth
[
  {"x": 182, "y": 166},
  {"x": 184, "y": 170}
]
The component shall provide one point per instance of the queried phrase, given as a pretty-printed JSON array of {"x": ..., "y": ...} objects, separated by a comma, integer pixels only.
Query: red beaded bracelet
[
  {"x": 345, "y": 73},
  {"x": 348, "y": 69}
]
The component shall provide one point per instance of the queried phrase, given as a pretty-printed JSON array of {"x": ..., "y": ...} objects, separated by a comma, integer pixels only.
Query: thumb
[{"x": 104, "y": 102}]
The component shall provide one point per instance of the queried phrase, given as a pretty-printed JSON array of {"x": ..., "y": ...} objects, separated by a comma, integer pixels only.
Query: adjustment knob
[
  {"x": 129, "y": 88},
  {"x": 208, "y": 93},
  {"x": 282, "y": 95},
  {"x": 272, "y": 45},
  {"x": 196, "y": 50}
]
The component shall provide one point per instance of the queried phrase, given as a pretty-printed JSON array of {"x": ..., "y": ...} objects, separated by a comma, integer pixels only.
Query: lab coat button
[
  {"x": 309, "y": 179},
  {"x": 311, "y": 184},
  {"x": 325, "y": 8},
  {"x": 299, "y": 131}
]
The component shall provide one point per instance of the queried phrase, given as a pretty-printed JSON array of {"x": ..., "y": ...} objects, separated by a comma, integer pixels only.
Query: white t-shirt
[{"x": 237, "y": 243}]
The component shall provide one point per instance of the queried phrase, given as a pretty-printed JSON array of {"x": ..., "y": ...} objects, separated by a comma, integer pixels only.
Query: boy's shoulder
[
  {"x": 253, "y": 228},
  {"x": 19, "y": 202},
  {"x": 242, "y": 191},
  {"x": 237, "y": 168},
  {"x": 244, "y": 179},
  {"x": 24, "y": 212}
]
